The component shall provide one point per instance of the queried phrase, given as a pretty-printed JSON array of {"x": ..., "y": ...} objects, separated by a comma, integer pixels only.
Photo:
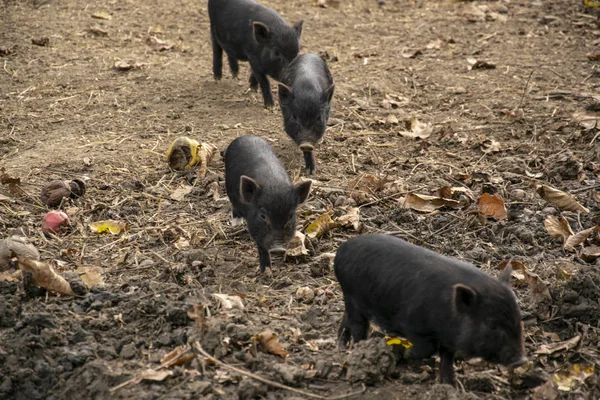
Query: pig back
[
  {"x": 395, "y": 283},
  {"x": 253, "y": 157}
]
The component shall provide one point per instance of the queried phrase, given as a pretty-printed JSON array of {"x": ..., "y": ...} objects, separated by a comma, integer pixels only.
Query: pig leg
[
  {"x": 264, "y": 258},
  {"x": 446, "y": 366},
  {"x": 265, "y": 87},
  {"x": 356, "y": 323},
  {"x": 344, "y": 333},
  {"x": 234, "y": 66},
  {"x": 421, "y": 349},
  {"x": 253, "y": 82},
  {"x": 309, "y": 161},
  {"x": 217, "y": 58}
]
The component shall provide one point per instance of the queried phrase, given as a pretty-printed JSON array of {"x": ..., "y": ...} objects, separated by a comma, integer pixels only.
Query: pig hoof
[{"x": 237, "y": 221}]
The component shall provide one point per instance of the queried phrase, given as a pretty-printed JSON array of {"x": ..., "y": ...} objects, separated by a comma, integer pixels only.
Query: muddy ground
[{"x": 69, "y": 109}]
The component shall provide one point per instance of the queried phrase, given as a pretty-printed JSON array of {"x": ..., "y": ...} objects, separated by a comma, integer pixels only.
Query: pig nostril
[
  {"x": 306, "y": 146},
  {"x": 277, "y": 250}
]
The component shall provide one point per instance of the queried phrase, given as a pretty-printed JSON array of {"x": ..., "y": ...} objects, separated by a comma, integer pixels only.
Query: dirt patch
[{"x": 99, "y": 91}]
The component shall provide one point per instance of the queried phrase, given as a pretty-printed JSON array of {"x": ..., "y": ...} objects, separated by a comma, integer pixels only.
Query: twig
[
  {"x": 203, "y": 352},
  {"x": 585, "y": 189},
  {"x": 525, "y": 89}
]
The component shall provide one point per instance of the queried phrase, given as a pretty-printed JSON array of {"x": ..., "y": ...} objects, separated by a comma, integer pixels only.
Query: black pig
[
  {"x": 261, "y": 192},
  {"x": 248, "y": 31},
  {"x": 438, "y": 303},
  {"x": 305, "y": 94}
]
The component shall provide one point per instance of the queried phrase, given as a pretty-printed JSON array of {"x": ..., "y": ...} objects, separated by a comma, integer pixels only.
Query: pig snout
[
  {"x": 518, "y": 362},
  {"x": 306, "y": 146},
  {"x": 277, "y": 248}
]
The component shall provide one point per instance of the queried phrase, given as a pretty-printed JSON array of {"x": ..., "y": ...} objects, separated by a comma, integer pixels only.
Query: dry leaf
[
  {"x": 112, "y": 226},
  {"x": 350, "y": 219},
  {"x": 492, "y": 206},
  {"x": 398, "y": 341},
  {"x": 587, "y": 119},
  {"x": 425, "y": 203},
  {"x": 296, "y": 246},
  {"x": 539, "y": 289},
  {"x": 91, "y": 276},
  {"x": 180, "y": 193},
  {"x": 159, "y": 44},
  {"x": 558, "y": 228},
  {"x": 547, "y": 391},
  {"x": 44, "y": 276},
  {"x": 271, "y": 344},
  {"x": 490, "y": 146},
  {"x": 367, "y": 182},
  {"x": 180, "y": 355},
  {"x": 228, "y": 302},
  {"x": 101, "y": 15},
  {"x": 562, "y": 200},
  {"x": 10, "y": 276},
  {"x": 417, "y": 129},
  {"x": 479, "y": 64},
  {"x": 320, "y": 226},
  {"x": 13, "y": 183},
  {"x": 154, "y": 375},
  {"x": 16, "y": 246},
  {"x": 579, "y": 238},
  {"x": 126, "y": 66},
  {"x": 547, "y": 349},
  {"x": 573, "y": 376},
  {"x": 98, "y": 30},
  {"x": 591, "y": 253},
  {"x": 412, "y": 53}
]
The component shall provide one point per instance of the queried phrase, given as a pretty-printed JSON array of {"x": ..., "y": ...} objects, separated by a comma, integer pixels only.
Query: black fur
[
  {"x": 261, "y": 191},
  {"x": 439, "y": 303},
  {"x": 248, "y": 31},
  {"x": 305, "y": 95}
]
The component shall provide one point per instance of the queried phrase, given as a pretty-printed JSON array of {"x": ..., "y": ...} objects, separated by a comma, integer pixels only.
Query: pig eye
[
  {"x": 263, "y": 216},
  {"x": 276, "y": 53}
]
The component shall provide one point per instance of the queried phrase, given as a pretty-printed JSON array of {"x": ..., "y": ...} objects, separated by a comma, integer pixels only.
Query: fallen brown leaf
[
  {"x": 426, "y": 203},
  {"x": 45, "y": 276},
  {"x": 179, "y": 355},
  {"x": 547, "y": 349},
  {"x": 228, "y": 302},
  {"x": 417, "y": 129},
  {"x": 296, "y": 246},
  {"x": 492, "y": 206},
  {"x": 568, "y": 379},
  {"x": 562, "y": 200},
  {"x": 320, "y": 226},
  {"x": 271, "y": 344},
  {"x": 558, "y": 228},
  {"x": 579, "y": 238},
  {"x": 91, "y": 276},
  {"x": 350, "y": 219}
]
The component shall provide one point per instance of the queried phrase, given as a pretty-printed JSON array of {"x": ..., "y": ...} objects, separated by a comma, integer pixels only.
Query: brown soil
[{"x": 67, "y": 112}]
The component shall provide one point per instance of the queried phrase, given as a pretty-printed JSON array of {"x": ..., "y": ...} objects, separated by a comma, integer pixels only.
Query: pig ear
[
  {"x": 328, "y": 93},
  {"x": 506, "y": 274},
  {"x": 302, "y": 189},
  {"x": 298, "y": 27},
  {"x": 285, "y": 94},
  {"x": 248, "y": 189},
  {"x": 260, "y": 31},
  {"x": 465, "y": 298}
]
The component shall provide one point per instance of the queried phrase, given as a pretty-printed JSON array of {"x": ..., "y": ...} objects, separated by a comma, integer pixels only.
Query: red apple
[{"x": 55, "y": 222}]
